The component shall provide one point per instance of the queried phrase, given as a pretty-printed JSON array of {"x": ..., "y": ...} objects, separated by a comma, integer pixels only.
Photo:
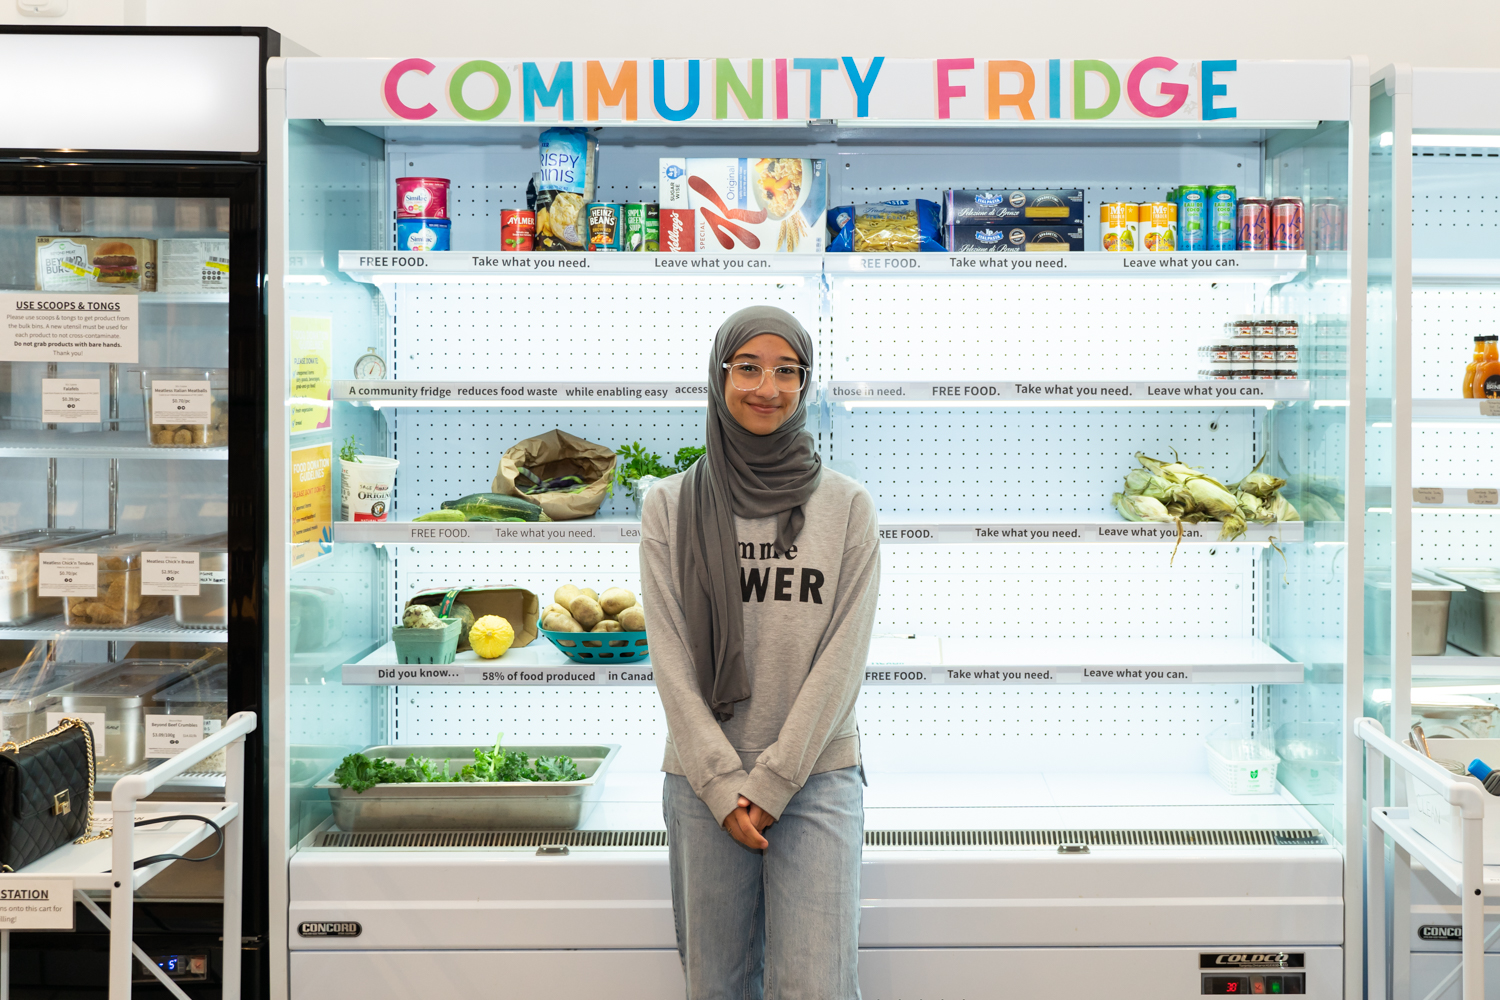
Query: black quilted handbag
[{"x": 46, "y": 793}]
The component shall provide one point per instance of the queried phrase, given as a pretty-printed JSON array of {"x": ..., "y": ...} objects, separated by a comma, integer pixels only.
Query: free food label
[
  {"x": 169, "y": 574},
  {"x": 68, "y": 574},
  {"x": 181, "y": 403},
  {"x": 70, "y": 401},
  {"x": 44, "y": 327}
]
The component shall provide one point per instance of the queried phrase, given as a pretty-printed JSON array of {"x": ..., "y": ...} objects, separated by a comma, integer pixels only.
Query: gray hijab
[{"x": 750, "y": 475}]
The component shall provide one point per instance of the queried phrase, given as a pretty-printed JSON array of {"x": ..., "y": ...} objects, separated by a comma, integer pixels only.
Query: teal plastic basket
[
  {"x": 427, "y": 645},
  {"x": 599, "y": 647}
]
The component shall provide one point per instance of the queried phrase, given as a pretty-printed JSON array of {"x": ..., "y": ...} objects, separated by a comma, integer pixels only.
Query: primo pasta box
[{"x": 747, "y": 205}]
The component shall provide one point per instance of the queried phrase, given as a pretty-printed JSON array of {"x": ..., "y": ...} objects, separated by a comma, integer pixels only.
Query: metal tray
[{"x": 479, "y": 805}]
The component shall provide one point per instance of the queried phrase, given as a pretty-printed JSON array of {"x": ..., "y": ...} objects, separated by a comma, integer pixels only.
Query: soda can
[
  {"x": 1221, "y": 220},
  {"x": 517, "y": 229},
  {"x": 1119, "y": 224},
  {"x": 422, "y": 234},
  {"x": 606, "y": 226},
  {"x": 642, "y": 227},
  {"x": 1253, "y": 220},
  {"x": 1192, "y": 217},
  {"x": 1286, "y": 224},
  {"x": 1328, "y": 224},
  {"x": 421, "y": 197},
  {"x": 1158, "y": 227}
]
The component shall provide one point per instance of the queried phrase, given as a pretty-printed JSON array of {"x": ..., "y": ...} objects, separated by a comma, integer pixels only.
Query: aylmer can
[
  {"x": 421, "y": 197},
  {"x": 1286, "y": 224},
  {"x": 517, "y": 229},
  {"x": 606, "y": 226},
  {"x": 1253, "y": 220},
  {"x": 1221, "y": 221},
  {"x": 642, "y": 227}
]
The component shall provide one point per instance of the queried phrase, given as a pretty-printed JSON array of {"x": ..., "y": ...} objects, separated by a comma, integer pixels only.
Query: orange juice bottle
[
  {"x": 1487, "y": 373},
  {"x": 1469, "y": 371}
]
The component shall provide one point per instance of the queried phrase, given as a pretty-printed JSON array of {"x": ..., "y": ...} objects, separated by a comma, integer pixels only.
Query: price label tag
[
  {"x": 213, "y": 577},
  {"x": 36, "y": 904},
  {"x": 1488, "y": 497},
  {"x": 1489, "y": 407},
  {"x": 70, "y": 401},
  {"x": 169, "y": 574},
  {"x": 1427, "y": 494},
  {"x": 95, "y": 721},
  {"x": 69, "y": 574},
  {"x": 170, "y": 735},
  {"x": 181, "y": 403}
]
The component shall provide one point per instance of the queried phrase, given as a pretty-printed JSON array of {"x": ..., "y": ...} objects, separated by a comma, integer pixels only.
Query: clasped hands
[{"x": 746, "y": 823}]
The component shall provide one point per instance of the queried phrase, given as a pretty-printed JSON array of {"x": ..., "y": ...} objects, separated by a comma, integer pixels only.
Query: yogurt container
[
  {"x": 421, "y": 197},
  {"x": 422, "y": 234}
]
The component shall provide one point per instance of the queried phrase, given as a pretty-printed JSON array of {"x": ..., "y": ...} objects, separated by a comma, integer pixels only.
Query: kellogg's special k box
[{"x": 744, "y": 205}]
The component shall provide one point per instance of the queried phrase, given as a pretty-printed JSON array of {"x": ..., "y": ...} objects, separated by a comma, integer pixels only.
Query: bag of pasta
[
  {"x": 569, "y": 161},
  {"x": 904, "y": 226}
]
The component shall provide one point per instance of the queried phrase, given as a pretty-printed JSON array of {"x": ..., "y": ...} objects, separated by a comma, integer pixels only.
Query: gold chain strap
[{"x": 88, "y": 738}]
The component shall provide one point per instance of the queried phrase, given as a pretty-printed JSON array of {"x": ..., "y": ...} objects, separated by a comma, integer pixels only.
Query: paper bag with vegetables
[{"x": 566, "y": 475}]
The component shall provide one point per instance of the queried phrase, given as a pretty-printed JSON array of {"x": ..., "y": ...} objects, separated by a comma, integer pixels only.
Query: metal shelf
[
  {"x": 163, "y": 629},
  {"x": 1451, "y": 409},
  {"x": 97, "y": 444},
  {"x": 1452, "y": 497}
]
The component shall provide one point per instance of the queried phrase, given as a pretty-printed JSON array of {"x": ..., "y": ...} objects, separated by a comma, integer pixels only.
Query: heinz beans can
[
  {"x": 517, "y": 229},
  {"x": 1286, "y": 224},
  {"x": 422, "y": 234},
  {"x": 1221, "y": 221},
  {"x": 606, "y": 222},
  {"x": 1253, "y": 220},
  {"x": 421, "y": 197},
  {"x": 1192, "y": 217}
]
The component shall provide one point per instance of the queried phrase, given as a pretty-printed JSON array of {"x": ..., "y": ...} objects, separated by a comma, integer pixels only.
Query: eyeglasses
[{"x": 747, "y": 377}]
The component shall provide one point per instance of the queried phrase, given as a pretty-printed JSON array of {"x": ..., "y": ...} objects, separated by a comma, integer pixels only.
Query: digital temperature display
[{"x": 1253, "y": 985}]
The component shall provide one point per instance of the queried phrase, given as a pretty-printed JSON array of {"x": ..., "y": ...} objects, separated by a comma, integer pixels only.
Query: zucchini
[{"x": 496, "y": 505}]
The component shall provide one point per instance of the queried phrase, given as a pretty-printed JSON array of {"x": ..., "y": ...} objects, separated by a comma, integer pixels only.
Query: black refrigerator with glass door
[{"x": 133, "y": 437}]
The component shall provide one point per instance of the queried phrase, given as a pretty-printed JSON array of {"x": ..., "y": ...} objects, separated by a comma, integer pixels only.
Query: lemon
[{"x": 491, "y": 636}]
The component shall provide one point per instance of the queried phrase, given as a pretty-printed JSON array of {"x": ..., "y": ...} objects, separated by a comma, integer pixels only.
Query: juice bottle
[
  {"x": 1487, "y": 374},
  {"x": 1469, "y": 371}
]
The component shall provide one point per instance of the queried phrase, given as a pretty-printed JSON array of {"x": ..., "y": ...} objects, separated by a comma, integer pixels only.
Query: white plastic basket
[
  {"x": 1435, "y": 819},
  {"x": 1242, "y": 766}
]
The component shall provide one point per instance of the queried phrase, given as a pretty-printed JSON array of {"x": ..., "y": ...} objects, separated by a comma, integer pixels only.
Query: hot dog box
[{"x": 748, "y": 205}]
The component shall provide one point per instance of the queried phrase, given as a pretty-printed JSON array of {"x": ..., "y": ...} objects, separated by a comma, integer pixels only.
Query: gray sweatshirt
[{"x": 808, "y": 618}]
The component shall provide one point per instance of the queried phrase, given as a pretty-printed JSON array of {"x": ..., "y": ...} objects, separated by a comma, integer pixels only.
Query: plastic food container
[
  {"x": 18, "y": 572},
  {"x": 121, "y": 695},
  {"x": 1474, "y": 619},
  {"x": 186, "y": 407},
  {"x": 1439, "y": 822},
  {"x": 117, "y": 601},
  {"x": 28, "y": 692},
  {"x": 210, "y": 607},
  {"x": 1243, "y": 765},
  {"x": 1429, "y": 612},
  {"x": 204, "y": 694}
]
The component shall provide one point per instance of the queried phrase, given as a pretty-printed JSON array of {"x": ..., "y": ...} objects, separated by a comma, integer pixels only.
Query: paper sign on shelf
[
  {"x": 1484, "y": 497},
  {"x": 36, "y": 904},
  {"x": 70, "y": 401},
  {"x": 1427, "y": 494},
  {"x": 170, "y": 735},
  {"x": 169, "y": 574},
  {"x": 312, "y": 371},
  {"x": 312, "y": 503},
  {"x": 96, "y": 721},
  {"x": 1489, "y": 407},
  {"x": 68, "y": 574},
  {"x": 181, "y": 402},
  {"x": 41, "y": 326}
]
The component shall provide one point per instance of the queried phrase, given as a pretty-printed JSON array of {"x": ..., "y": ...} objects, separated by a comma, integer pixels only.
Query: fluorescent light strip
[
  {"x": 1319, "y": 404},
  {"x": 304, "y": 279}
]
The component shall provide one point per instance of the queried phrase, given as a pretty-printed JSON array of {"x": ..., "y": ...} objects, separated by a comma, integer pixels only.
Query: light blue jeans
[{"x": 782, "y": 923}]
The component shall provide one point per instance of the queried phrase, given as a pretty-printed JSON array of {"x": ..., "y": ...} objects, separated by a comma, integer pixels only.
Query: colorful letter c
[{"x": 393, "y": 80}]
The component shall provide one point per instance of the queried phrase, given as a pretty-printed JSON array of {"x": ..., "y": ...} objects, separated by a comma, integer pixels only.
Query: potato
[
  {"x": 589, "y": 592},
  {"x": 607, "y": 626},
  {"x": 554, "y": 608},
  {"x": 559, "y": 622},
  {"x": 564, "y": 595},
  {"x": 586, "y": 611},
  {"x": 615, "y": 600},
  {"x": 633, "y": 619}
]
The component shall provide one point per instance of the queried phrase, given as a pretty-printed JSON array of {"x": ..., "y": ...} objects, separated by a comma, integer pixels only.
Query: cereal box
[{"x": 748, "y": 205}]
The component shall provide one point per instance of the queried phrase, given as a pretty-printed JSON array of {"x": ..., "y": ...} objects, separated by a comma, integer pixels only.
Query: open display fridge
[
  {"x": 132, "y": 536},
  {"x": 1100, "y": 747}
]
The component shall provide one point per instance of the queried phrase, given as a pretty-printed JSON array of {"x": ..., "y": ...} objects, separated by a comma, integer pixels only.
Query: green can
[
  {"x": 642, "y": 227},
  {"x": 1192, "y": 217},
  {"x": 1223, "y": 227}
]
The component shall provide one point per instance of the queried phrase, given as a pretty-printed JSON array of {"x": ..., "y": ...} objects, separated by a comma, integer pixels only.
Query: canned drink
[
  {"x": 1221, "y": 220},
  {"x": 421, "y": 197},
  {"x": 422, "y": 234},
  {"x": 1192, "y": 217},
  {"x": 1328, "y": 224},
  {"x": 606, "y": 226},
  {"x": 1119, "y": 224},
  {"x": 642, "y": 227},
  {"x": 1286, "y": 224},
  {"x": 1253, "y": 221},
  {"x": 517, "y": 229},
  {"x": 1158, "y": 227}
]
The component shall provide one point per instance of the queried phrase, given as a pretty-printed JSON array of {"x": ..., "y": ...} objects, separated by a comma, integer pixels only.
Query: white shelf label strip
[
  {"x": 1064, "y": 393},
  {"x": 531, "y": 393}
]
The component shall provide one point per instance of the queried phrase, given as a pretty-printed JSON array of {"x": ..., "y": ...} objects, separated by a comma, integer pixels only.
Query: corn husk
[
  {"x": 1210, "y": 498},
  {"x": 1136, "y": 481},
  {"x": 1251, "y": 508},
  {"x": 1234, "y": 527},
  {"x": 1154, "y": 464},
  {"x": 1261, "y": 484},
  {"x": 1279, "y": 508},
  {"x": 1140, "y": 508},
  {"x": 1315, "y": 508}
]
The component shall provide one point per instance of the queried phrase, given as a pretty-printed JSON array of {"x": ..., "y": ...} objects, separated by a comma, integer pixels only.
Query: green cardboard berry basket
[{"x": 427, "y": 645}]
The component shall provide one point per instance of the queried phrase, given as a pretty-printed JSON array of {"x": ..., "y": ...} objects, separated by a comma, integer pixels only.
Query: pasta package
[
  {"x": 771, "y": 204},
  {"x": 564, "y": 185},
  {"x": 905, "y": 226}
]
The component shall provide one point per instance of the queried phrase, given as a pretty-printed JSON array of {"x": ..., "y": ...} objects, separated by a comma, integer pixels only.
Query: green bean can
[{"x": 642, "y": 227}]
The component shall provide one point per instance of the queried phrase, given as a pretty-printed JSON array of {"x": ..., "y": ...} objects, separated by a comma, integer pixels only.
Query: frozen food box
[
  {"x": 117, "y": 600},
  {"x": 192, "y": 265},
  {"x": 121, "y": 694},
  {"x": 19, "y": 559},
  {"x": 186, "y": 407},
  {"x": 1014, "y": 239},
  {"x": 516, "y": 605},
  {"x": 94, "y": 264},
  {"x": 749, "y": 204},
  {"x": 209, "y": 608},
  {"x": 1052, "y": 207}
]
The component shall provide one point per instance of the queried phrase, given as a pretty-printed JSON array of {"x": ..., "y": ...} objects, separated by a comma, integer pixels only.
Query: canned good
[
  {"x": 642, "y": 227},
  {"x": 422, "y": 234},
  {"x": 1158, "y": 226},
  {"x": 1328, "y": 224},
  {"x": 1221, "y": 218},
  {"x": 606, "y": 226},
  {"x": 1242, "y": 326},
  {"x": 421, "y": 197},
  {"x": 1192, "y": 217},
  {"x": 1119, "y": 226},
  {"x": 1267, "y": 326},
  {"x": 1286, "y": 353},
  {"x": 1253, "y": 223},
  {"x": 517, "y": 229},
  {"x": 1216, "y": 352},
  {"x": 1242, "y": 351},
  {"x": 1286, "y": 224},
  {"x": 1266, "y": 353},
  {"x": 1286, "y": 328}
]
